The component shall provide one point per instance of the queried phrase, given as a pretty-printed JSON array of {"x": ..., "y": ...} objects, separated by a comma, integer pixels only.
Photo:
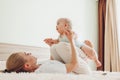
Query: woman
[{"x": 25, "y": 62}]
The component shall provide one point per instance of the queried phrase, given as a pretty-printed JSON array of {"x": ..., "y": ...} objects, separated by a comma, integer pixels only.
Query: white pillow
[{"x": 2, "y": 65}]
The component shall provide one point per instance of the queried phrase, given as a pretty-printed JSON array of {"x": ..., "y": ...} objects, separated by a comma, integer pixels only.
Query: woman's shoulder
[
  {"x": 52, "y": 66},
  {"x": 53, "y": 62},
  {"x": 48, "y": 61}
]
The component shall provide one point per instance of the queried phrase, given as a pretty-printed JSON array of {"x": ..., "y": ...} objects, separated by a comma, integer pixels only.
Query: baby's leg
[
  {"x": 54, "y": 55},
  {"x": 87, "y": 42},
  {"x": 63, "y": 50},
  {"x": 90, "y": 44},
  {"x": 90, "y": 52}
]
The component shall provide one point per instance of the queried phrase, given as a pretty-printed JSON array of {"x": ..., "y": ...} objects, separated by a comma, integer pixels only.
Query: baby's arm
[{"x": 51, "y": 41}]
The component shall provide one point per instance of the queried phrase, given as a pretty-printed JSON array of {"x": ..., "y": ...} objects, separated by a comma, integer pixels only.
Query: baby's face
[{"x": 60, "y": 26}]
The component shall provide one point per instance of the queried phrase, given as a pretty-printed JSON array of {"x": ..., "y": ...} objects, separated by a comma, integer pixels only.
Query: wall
[{"x": 30, "y": 21}]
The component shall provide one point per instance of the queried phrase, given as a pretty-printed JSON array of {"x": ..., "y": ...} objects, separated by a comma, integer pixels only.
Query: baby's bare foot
[
  {"x": 98, "y": 63},
  {"x": 87, "y": 42},
  {"x": 94, "y": 57}
]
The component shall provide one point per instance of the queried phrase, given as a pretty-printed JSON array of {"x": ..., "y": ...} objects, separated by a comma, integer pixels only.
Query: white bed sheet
[{"x": 96, "y": 75}]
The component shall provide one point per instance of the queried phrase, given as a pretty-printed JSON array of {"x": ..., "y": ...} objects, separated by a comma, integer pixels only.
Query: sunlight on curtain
[
  {"x": 118, "y": 23},
  {"x": 118, "y": 17}
]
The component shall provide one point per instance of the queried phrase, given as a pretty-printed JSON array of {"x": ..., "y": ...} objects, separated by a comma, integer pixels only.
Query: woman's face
[{"x": 31, "y": 61}]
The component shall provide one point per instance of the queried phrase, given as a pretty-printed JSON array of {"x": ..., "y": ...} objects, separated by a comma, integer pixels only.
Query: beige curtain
[{"x": 112, "y": 55}]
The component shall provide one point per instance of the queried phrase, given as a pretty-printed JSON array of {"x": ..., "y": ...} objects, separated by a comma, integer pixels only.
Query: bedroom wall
[{"x": 29, "y": 22}]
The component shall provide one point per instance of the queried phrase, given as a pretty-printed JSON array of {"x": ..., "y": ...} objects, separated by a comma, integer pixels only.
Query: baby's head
[{"x": 63, "y": 23}]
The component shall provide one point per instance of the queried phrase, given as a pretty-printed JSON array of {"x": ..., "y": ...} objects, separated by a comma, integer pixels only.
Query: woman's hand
[{"x": 69, "y": 34}]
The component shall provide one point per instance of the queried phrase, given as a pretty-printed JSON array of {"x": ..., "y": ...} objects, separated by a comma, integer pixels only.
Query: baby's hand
[{"x": 48, "y": 41}]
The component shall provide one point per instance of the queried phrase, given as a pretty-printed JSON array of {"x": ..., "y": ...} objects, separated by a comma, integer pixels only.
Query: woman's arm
[{"x": 70, "y": 66}]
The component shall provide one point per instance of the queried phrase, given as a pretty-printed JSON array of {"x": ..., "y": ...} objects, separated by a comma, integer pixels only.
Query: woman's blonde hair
[
  {"x": 68, "y": 21},
  {"x": 15, "y": 63}
]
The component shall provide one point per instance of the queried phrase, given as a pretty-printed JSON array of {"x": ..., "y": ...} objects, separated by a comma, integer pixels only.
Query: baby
[{"x": 86, "y": 47}]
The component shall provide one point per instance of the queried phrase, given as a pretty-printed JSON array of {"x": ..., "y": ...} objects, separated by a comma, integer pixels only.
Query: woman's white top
[{"x": 51, "y": 66}]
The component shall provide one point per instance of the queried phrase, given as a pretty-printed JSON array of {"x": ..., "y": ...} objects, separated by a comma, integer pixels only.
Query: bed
[{"x": 43, "y": 53}]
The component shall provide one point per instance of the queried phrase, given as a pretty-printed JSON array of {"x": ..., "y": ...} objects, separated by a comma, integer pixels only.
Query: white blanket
[{"x": 96, "y": 75}]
